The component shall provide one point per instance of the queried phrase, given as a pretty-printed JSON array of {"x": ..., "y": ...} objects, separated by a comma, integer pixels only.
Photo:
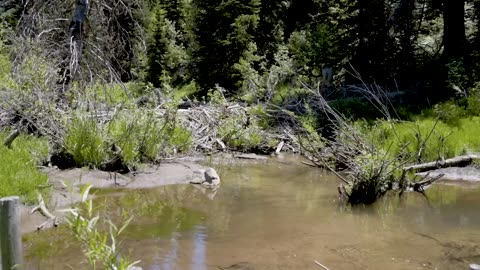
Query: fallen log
[{"x": 460, "y": 161}]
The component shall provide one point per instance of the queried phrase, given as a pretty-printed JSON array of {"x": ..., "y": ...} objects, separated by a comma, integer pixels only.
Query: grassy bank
[
  {"x": 19, "y": 175},
  {"x": 427, "y": 138}
]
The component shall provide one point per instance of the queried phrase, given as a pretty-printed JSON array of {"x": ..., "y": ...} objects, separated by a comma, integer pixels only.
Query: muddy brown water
[{"x": 272, "y": 215}]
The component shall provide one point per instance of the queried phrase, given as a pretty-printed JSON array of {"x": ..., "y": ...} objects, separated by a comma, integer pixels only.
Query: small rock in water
[
  {"x": 474, "y": 266},
  {"x": 207, "y": 178},
  {"x": 211, "y": 176}
]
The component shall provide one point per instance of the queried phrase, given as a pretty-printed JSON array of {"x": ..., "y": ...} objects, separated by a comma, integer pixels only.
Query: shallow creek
[{"x": 272, "y": 215}]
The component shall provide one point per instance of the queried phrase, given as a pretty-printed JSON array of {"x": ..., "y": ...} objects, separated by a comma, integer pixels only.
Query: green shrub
[
  {"x": 19, "y": 175},
  {"x": 99, "y": 247},
  {"x": 110, "y": 94},
  {"x": 449, "y": 112},
  {"x": 243, "y": 133},
  {"x": 180, "y": 138}
]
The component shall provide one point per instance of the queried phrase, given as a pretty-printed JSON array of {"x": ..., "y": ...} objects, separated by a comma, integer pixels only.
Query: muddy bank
[
  {"x": 67, "y": 185},
  {"x": 457, "y": 175}
]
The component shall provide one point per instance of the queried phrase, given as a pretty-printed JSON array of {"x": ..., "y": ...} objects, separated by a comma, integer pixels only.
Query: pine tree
[
  {"x": 270, "y": 31},
  {"x": 224, "y": 32},
  {"x": 167, "y": 56}
]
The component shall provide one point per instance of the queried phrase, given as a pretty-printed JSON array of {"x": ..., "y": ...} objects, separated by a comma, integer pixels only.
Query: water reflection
[
  {"x": 199, "y": 249},
  {"x": 170, "y": 259}
]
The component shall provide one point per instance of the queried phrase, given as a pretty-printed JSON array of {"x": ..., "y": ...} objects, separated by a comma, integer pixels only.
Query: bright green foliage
[
  {"x": 138, "y": 136},
  {"x": 244, "y": 133},
  {"x": 19, "y": 175},
  {"x": 109, "y": 94},
  {"x": 427, "y": 139},
  {"x": 102, "y": 249}
]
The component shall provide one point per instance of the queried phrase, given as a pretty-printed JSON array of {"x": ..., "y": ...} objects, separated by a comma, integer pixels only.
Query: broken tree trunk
[
  {"x": 77, "y": 28},
  {"x": 460, "y": 161},
  {"x": 9, "y": 140}
]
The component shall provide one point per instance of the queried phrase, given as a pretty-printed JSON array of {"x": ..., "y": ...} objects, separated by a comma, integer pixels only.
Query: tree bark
[
  {"x": 454, "y": 37},
  {"x": 77, "y": 29}
]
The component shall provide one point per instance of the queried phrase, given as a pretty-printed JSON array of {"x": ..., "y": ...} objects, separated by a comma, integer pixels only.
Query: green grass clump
[
  {"x": 19, "y": 175},
  {"x": 427, "y": 139},
  {"x": 134, "y": 135},
  {"x": 85, "y": 141}
]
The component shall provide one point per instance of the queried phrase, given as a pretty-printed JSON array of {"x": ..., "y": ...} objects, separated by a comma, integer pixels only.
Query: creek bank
[
  {"x": 455, "y": 174},
  {"x": 67, "y": 185}
]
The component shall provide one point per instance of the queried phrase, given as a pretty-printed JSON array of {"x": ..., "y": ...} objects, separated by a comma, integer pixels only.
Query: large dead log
[{"x": 460, "y": 161}]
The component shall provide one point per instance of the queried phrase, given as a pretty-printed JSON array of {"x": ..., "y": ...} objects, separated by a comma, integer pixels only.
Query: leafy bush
[{"x": 19, "y": 175}]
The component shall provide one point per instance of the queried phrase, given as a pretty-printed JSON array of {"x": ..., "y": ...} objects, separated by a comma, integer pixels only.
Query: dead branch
[
  {"x": 309, "y": 164},
  {"x": 9, "y": 140},
  {"x": 279, "y": 147},
  {"x": 420, "y": 186},
  {"x": 461, "y": 161},
  {"x": 44, "y": 212},
  {"x": 321, "y": 265},
  {"x": 42, "y": 208}
]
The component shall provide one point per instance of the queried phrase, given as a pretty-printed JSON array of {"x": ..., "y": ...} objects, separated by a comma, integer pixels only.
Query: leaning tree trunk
[{"x": 77, "y": 32}]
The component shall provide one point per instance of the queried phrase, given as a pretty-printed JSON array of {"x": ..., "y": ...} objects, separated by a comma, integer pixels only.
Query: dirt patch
[{"x": 67, "y": 185}]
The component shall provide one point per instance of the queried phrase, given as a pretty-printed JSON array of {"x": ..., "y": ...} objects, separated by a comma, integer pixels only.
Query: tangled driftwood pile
[{"x": 205, "y": 123}]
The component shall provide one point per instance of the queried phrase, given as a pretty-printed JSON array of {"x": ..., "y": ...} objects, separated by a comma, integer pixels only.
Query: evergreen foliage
[{"x": 429, "y": 48}]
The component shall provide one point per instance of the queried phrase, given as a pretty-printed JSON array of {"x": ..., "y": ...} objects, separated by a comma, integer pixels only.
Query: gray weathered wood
[
  {"x": 456, "y": 161},
  {"x": 10, "y": 235},
  {"x": 8, "y": 142}
]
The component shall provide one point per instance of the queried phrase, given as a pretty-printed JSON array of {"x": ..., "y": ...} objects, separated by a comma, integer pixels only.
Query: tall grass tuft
[
  {"x": 134, "y": 136},
  {"x": 85, "y": 140}
]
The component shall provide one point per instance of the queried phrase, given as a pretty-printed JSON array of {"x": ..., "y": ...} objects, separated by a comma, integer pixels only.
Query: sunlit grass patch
[
  {"x": 135, "y": 136},
  {"x": 19, "y": 175},
  {"x": 428, "y": 139}
]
